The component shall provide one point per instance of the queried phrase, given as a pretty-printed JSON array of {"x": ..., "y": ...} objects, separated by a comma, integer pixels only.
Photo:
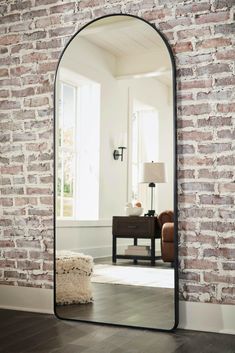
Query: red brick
[
  {"x": 9, "y": 39},
  {"x": 226, "y": 108},
  {"x": 22, "y": 5},
  {"x": 226, "y": 55},
  {"x": 213, "y": 43},
  {"x": 156, "y": 14},
  {"x": 47, "y": 67},
  {"x": 180, "y": 22},
  {"x": 48, "y": 200},
  {"x": 40, "y": 255},
  {"x": 53, "y": 43},
  {"x": 186, "y": 174},
  {"x": 192, "y": 8},
  {"x": 15, "y": 254},
  {"x": 34, "y": 57},
  {"x": 24, "y": 46},
  {"x": 12, "y": 169},
  {"x": 38, "y": 191},
  {"x": 4, "y": 73},
  {"x": 196, "y": 109},
  {"x": 22, "y": 201},
  {"x": 214, "y": 148},
  {"x": 38, "y": 167},
  {"x": 4, "y": 93},
  {"x": 225, "y": 81},
  {"x": 14, "y": 274},
  {"x": 216, "y": 278},
  {"x": 23, "y": 243},
  {"x": 225, "y": 28},
  {"x": 216, "y": 200},
  {"x": 195, "y": 135},
  {"x": 215, "y": 121},
  {"x": 188, "y": 252},
  {"x": 220, "y": 4},
  {"x": 185, "y": 149},
  {"x": 226, "y": 160},
  {"x": 34, "y": 35},
  {"x": 230, "y": 134},
  {"x": 40, "y": 212},
  {"x": 61, "y": 31},
  {"x": 182, "y": 123},
  {"x": 212, "y": 17},
  {"x": 7, "y": 244},
  {"x": 12, "y": 190},
  {"x": 6, "y": 202},
  {"x": 24, "y": 136},
  {"x": 69, "y": 7},
  {"x": 47, "y": 21},
  {"x": 7, "y": 104},
  {"x": 212, "y": 69},
  {"x": 20, "y": 27},
  {"x": 36, "y": 101},
  {"x": 195, "y": 186},
  {"x": 228, "y": 187},
  {"x": 20, "y": 70},
  {"x": 196, "y": 161},
  {"x": 192, "y": 84},
  {"x": 29, "y": 91},
  {"x": 200, "y": 264},
  {"x": 28, "y": 265},
  {"x": 182, "y": 47}
]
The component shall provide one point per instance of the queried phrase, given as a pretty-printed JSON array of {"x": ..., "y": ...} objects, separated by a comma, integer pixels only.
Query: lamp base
[{"x": 151, "y": 213}]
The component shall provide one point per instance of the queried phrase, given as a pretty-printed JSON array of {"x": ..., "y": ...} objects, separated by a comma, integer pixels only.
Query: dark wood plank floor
[
  {"x": 22, "y": 332},
  {"x": 125, "y": 305}
]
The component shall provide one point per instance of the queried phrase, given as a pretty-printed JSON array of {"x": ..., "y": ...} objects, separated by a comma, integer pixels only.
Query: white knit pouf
[{"x": 73, "y": 278}]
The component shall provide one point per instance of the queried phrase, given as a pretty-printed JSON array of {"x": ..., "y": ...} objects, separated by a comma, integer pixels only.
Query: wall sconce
[{"x": 117, "y": 153}]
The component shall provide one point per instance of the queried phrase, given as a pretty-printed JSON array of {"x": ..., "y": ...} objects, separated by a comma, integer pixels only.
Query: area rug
[{"x": 133, "y": 276}]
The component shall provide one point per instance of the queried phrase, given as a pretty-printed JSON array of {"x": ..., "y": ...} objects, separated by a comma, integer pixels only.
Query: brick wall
[{"x": 201, "y": 33}]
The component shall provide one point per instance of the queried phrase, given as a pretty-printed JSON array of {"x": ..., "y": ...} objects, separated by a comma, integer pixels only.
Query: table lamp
[{"x": 152, "y": 173}]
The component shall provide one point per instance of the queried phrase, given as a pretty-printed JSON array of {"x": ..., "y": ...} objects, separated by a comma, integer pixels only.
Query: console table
[{"x": 136, "y": 228}]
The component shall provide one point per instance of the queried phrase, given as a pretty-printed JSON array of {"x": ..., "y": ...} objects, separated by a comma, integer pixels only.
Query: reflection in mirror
[{"x": 114, "y": 172}]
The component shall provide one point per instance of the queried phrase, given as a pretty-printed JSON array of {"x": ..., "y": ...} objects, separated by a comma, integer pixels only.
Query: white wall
[
  {"x": 155, "y": 94},
  {"x": 115, "y": 110}
]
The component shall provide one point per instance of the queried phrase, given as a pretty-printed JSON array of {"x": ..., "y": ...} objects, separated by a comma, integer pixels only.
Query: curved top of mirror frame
[
  {"x": 126, "y": 20},
  {"x": 140, "y": 51}
]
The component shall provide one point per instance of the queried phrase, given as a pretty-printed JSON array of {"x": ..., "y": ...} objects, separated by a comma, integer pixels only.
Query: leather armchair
[{"x": 166, "y": 220}]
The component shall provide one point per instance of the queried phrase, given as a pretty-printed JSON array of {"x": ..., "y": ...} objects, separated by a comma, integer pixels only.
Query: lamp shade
[{"x": 152, "y": 173}]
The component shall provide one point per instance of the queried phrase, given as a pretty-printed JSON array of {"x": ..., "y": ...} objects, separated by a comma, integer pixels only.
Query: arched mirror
[{"x": 115, "y": 176}]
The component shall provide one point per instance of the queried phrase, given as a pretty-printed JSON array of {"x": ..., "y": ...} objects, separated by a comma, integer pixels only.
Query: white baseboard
[
  {"x": 192, "y": 316},
  {"x": 104, "y": 250},
  {"x": 26, "y": 299},
  {"x": 207, "y": 317}
]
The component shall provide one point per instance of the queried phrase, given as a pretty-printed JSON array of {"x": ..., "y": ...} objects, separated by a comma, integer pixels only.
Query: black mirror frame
[{"x": 176, "y": 277}]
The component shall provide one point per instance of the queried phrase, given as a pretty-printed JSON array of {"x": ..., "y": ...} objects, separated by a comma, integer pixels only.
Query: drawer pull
[{"x": 131, "y": 227}]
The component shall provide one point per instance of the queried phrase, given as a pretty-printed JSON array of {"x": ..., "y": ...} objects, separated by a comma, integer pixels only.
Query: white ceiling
[{"x": 131, "y": 40}]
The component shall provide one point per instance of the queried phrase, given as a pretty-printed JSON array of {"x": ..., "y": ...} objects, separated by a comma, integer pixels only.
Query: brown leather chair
[{"x": 166, "y": 220}]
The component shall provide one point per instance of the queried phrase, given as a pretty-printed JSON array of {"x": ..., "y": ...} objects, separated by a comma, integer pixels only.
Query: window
[
  {"x": 67, "y": 152},
  {"x": 144, "y": 148},
  {"x": 78, "y": 151}
]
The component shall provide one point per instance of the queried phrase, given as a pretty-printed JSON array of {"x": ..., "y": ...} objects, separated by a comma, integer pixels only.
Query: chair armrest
[
  {"x": 168, "y": 232},
  {"x": 165, "y": 217}
]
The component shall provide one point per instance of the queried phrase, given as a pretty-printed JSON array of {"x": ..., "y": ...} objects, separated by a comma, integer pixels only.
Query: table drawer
[{"x": 133, "y": 226}]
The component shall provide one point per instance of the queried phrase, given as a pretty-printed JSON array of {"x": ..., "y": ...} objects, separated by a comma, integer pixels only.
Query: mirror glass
[{"x": 114, "y": 173}]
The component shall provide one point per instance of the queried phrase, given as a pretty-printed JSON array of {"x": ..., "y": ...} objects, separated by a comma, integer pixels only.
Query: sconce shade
[{"x": 152, "y": 173}]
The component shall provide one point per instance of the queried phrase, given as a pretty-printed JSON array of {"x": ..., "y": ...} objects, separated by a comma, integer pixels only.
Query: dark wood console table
[{"x": 136, "y": 228}]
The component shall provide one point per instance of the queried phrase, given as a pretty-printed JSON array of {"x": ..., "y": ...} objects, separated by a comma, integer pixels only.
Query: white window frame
[{"x": 61, "y": 82}]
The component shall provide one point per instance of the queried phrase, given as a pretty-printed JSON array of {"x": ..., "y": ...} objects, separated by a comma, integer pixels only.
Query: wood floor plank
[{"x": 47, "y": 334}]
